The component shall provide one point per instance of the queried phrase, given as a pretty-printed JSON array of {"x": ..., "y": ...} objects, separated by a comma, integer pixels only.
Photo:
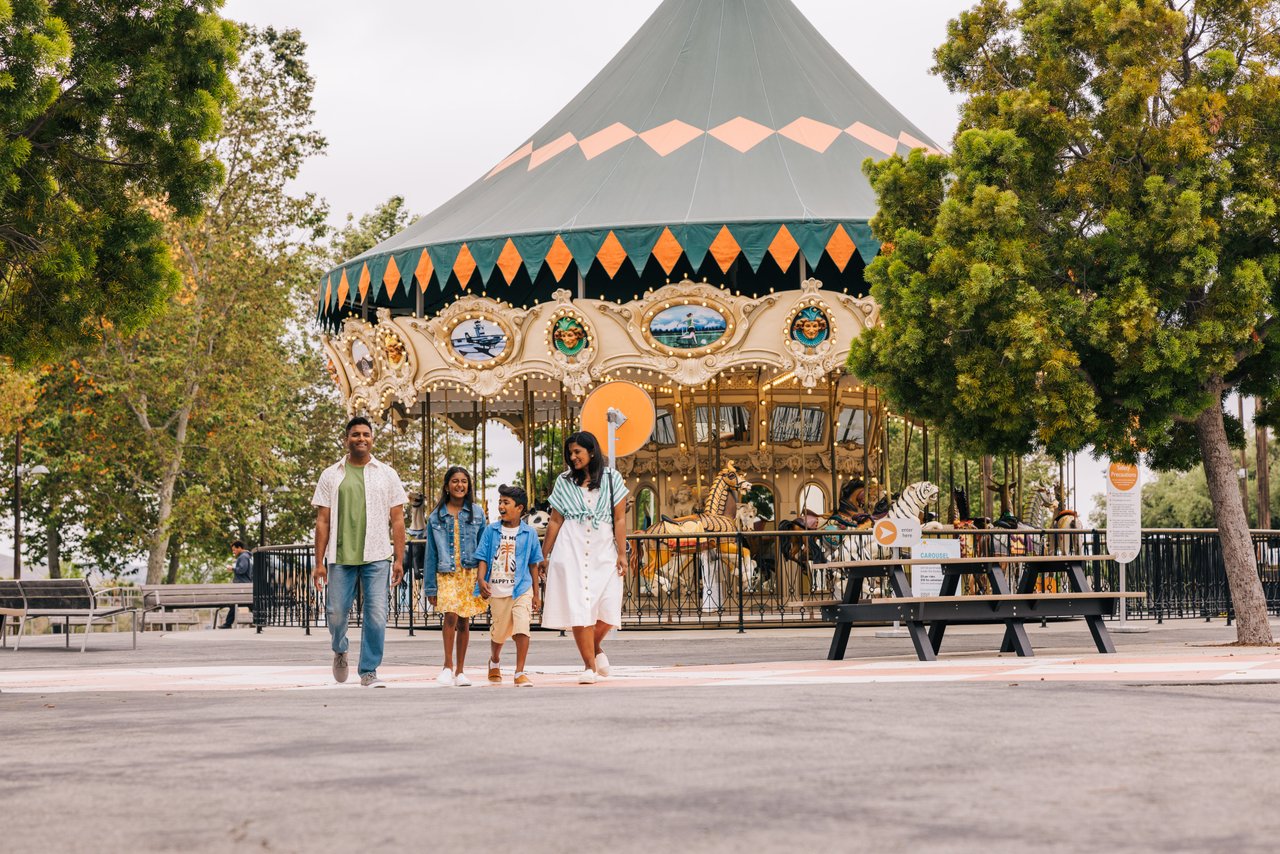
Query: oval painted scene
[
  {"x": 479, "y": 340},
  {"x": 687, "y": 327}
]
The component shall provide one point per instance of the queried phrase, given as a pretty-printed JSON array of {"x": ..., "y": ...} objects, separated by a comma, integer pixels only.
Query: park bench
[
  {"x": 1002, "y": 605},
  {"x": 68, "y": 598},
  {"x": 173, "y": 597}
]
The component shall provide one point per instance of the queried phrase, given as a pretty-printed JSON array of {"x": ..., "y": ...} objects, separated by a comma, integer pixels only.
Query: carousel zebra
[{"x": 911, "y": 503}]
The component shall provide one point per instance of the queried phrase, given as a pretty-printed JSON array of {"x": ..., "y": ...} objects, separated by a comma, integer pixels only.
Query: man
[
  {"x": 359, "y": 505},
  {"x": 242, "y": 573}
]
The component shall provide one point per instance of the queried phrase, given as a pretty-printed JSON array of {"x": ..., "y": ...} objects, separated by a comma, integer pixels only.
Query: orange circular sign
[
  {"x": 886, "y": 533},
  {"x": 1123, "y": 476},
  {"x": 629, "y": 399}
]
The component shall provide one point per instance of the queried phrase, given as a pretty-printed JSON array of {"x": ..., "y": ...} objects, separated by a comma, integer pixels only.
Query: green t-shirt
[{"x": 351, "y": 517}]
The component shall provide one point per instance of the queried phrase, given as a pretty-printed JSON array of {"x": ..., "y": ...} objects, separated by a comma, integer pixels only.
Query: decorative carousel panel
[
  {"x": 481, "y": 341},
  {"x": 688, "y": 326}
]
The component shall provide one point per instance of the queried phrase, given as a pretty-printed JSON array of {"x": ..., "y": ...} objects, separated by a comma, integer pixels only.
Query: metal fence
[{"x": 738, "y": 580}]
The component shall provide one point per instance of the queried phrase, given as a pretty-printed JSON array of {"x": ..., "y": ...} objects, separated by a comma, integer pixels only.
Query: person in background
[
  {"x": 507, "y": 561},
  {"x": 359, "y": 505},
  {"x": 241, "y": 573},
  {"x": 449, "y": 578}
]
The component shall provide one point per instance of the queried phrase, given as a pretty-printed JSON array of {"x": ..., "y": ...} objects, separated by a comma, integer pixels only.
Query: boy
[{"x": 506, "y": 557}]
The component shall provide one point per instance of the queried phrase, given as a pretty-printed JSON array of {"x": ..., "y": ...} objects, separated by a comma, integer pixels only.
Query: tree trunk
[
  {"x": 164, "y": 510},
  {"x": 1263, "y": 464},
  {"x": 1233, "y": 529},
  {"x": 172, "y": 576},
  {"x": 54, "y": 538}
]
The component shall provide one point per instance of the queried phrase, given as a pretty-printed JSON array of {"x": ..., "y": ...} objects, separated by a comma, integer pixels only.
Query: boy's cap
[{"x": 515, "y": 493}]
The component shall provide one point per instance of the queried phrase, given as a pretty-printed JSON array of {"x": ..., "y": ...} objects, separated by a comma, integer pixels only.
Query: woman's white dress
[{"x": 583, "y": 585}]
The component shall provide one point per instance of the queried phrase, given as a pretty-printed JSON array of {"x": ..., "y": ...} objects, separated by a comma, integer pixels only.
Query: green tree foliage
[
  {"x": 102, "y": 106},
  {"x": 181, "y": 429},
  {"x": 1097, "y": 260}
]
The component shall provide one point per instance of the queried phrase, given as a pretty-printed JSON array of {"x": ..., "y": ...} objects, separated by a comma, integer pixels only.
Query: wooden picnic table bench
[
  {"x": 172, "y": 597},
  {"x": 68, "y": 598},
  {"x": 1002, "y": 606}
]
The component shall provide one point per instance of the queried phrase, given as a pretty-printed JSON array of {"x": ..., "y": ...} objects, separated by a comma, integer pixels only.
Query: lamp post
[{"x": 20, "y": 471}]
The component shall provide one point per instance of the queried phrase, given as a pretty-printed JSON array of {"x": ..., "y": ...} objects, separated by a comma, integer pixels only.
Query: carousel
[{"x": 695, "y": 221}]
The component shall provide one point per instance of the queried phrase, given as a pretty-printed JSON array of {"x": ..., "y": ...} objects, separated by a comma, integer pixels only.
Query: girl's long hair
[
  {"x": 469, "y": 502},
  {"x": 593, "y": 470}
]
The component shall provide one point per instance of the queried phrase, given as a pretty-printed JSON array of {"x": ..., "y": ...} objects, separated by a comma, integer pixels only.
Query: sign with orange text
[{"x": 1124, "y": 511}]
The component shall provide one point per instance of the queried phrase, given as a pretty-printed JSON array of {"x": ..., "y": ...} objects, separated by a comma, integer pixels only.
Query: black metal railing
[{"x": 762, "y": 578}]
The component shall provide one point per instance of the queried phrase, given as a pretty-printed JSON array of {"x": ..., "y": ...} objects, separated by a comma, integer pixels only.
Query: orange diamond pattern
[
  {"x": 881, "y": 142},
  {"x": 551, "y": 149},
  {"x": 666, "y": 138},
  {"x": 424, "y": 270},
  {"x": 559, "y": 257},
  {"x": 724, "y": 249},
  {"x": 741, "y": 133},
  {"x": 911, "y": 142},
  {"x": 391, "y": 277},
  {"x": 344, "y": 289},
  {"x": 365, "y": 279},
  {"x": 328, "y": 289},
  {"x": 611, "y": 254},
  {"x": 603, "y": 140},
  {"x": 840, "y": 247},
  {"x": 667, "y": 250},
  {"x": 811, "y": 133},
  {"x": 783, "y": 249},
  {"x": 464, "y": 267},
  {"x": 509, "y": 261},
  {"x": 519, "y": 154}
]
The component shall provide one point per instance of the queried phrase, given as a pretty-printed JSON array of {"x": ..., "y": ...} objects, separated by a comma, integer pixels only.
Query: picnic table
[{"x": 1010, "y": 607}]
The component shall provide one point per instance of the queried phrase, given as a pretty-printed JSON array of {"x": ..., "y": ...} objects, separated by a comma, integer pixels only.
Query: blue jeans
[{"x": 373, "y": 579}]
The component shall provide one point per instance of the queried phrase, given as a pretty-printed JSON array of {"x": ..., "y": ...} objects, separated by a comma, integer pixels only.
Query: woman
[
  {"x": 449, "y": 576},
  {"x": 586, "y": 550}
]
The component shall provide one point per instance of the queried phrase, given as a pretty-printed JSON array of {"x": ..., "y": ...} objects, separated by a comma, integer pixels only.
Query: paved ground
[{"x": 705, "y": 741}]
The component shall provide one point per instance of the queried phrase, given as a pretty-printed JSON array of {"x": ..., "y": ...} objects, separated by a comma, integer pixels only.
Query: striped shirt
[{"x": 573, "y": 502}]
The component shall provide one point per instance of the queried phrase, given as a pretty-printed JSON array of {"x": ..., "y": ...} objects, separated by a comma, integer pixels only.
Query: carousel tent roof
[{"x": 722, "y": 128}]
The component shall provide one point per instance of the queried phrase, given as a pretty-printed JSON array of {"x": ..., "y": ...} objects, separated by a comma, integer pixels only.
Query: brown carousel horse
[{"x": 685, "y": 535}]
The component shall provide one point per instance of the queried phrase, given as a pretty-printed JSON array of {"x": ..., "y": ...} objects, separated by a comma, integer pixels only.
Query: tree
[
  {"x": 1096, "y": 262},
  {"x": 102, "y": 106},
  {"x": 181, "y": 426}
]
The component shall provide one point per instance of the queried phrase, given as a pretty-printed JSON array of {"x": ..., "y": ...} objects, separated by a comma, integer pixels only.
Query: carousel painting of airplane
[{"x": 479, "y": 341}]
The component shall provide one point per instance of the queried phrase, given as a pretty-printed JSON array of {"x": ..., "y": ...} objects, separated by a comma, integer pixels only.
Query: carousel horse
[{"x": 684, "y": 537}]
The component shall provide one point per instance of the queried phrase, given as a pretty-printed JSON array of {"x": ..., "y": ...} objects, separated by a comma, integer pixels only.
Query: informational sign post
[
  {"x": 926, "y": 578},
  {"x": 1124, "y": 522}
]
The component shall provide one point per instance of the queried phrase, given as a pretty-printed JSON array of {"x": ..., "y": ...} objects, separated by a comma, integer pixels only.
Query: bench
[
  {"x": 1001, "y": 606},
  {"x": 68, "y": 598},
  {"x": 172, "y": 597}
]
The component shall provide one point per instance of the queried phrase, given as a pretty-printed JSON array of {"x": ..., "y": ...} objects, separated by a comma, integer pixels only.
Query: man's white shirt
[{"x": 382, "y": 492}]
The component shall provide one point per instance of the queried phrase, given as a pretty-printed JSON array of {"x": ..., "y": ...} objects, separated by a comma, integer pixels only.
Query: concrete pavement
[{"x": 953, "y": 765}]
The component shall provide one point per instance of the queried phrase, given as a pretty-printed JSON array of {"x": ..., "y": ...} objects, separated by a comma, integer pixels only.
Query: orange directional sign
[
  {"x": 629, "y": 399},
  {"x": 886, "y": 532}
]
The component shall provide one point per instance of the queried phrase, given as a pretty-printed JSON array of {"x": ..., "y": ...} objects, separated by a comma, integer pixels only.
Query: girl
[
  {"x": 453, "y": 530},
  {"x": 586, "y": 552}
]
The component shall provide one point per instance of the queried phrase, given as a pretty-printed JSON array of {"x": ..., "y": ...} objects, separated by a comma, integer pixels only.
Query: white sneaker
[
  {"x": 587, "y": 677},
  {"x": 445, "y": 678},
  {"x": 602, "y": 665},
  {"x": 461, "y": 681}
]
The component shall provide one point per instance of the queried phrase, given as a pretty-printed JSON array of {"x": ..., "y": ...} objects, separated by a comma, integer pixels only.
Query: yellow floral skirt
[{"x": 454, "y": 593}]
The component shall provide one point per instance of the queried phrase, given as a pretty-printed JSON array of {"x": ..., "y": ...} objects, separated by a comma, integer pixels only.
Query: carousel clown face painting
[
  {"x": 810, "y": 327},
  {"x": 570, "y": 336}
]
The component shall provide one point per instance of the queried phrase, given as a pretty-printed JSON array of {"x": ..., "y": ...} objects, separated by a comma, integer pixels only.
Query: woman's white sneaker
[
  {"x": 445, "y": 678},
  {"x": 461, "y": 681},
  {"x": 587, "y": 677},
  {"x": 602, "y": 664}
]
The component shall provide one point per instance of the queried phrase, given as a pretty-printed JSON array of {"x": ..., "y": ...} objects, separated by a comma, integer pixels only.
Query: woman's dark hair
[
  {"x": 469, "y": 502},
  {"x": 591, "y": 473}
]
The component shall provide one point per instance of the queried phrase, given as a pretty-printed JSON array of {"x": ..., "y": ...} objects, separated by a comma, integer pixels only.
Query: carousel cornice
[{"x": 684, "y": 334}]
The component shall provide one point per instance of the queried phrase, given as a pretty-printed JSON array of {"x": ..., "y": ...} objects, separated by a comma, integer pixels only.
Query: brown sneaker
[
  {"x": 495, "y": 674},
  {"x": 523, "y": 681}
]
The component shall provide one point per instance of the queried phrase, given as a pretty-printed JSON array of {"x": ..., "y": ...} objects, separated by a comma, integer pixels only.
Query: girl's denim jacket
[{"x": 439, "y": 558}]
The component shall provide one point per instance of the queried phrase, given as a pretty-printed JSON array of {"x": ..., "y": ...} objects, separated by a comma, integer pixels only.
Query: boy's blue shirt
[{"x": 528, "y": 552}]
